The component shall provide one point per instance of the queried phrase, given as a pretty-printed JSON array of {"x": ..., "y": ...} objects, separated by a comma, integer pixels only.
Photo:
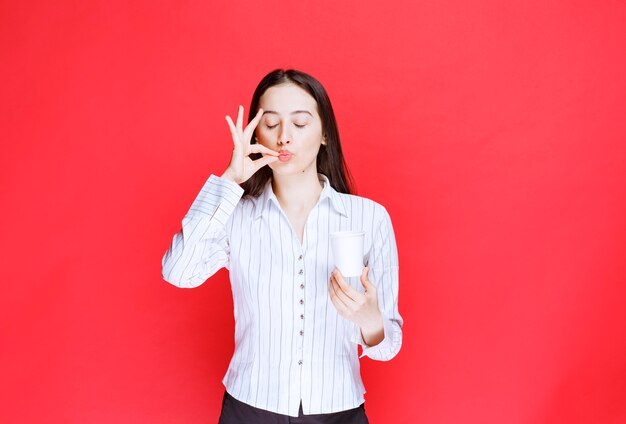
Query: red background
[{"x": 494, "y": 133}]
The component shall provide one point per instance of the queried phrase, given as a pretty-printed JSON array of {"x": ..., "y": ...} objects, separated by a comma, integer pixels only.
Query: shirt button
[
  {"x": 302, "y": 332},
  {"x": 300, "y": 362},
  {"x": 301, "y": 301},
  {"x": 302, "y": 286},
  {"x": 301, "y": 316},
  {"x": 300, "y": 257},
  {"x": 301, "y": 272}
]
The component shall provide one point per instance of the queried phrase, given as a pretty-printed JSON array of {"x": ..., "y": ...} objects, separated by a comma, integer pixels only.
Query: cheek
[
  {"x": 261, "y": 137},
  {"x": 314, "y": 140}
]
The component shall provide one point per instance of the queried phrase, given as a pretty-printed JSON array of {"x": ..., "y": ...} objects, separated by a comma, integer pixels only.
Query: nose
[{"x": 284, "y": 137}]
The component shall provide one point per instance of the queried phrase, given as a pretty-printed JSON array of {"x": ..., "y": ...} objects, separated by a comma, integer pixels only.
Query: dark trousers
[{"x": 237, "y": 412}]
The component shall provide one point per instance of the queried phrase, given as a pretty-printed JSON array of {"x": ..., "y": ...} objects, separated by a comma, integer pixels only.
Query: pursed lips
[{"x": 284, "y": 155}]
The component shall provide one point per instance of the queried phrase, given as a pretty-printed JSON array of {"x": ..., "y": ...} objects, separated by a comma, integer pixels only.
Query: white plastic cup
[{"x": 347, "y": 248}]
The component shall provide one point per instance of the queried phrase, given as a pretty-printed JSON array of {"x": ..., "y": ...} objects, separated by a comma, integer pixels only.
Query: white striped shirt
[{"x": 291, "y": 345}]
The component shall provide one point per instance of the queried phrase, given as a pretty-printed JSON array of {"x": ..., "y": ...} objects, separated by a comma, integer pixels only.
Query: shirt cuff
[{"x": 385, "y": 343}]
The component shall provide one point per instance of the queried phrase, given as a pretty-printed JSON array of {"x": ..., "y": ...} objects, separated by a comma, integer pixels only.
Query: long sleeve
[
  {"x": 383, "y": 264},
  {"x": 201, "y": 248}
]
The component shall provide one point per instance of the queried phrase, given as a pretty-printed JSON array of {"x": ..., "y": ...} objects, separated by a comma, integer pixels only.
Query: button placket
[{"x": 300, "y": 274}]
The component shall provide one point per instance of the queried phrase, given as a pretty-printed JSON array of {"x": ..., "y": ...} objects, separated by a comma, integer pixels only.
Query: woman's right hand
[{"x": 241, "y": 167}]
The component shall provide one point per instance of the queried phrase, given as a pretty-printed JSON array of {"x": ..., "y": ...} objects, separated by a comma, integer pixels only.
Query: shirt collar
[{"x": 328, "y": 192}]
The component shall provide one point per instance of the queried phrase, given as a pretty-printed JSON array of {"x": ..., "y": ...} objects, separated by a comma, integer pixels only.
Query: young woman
[{"x": 267, "y": 219}]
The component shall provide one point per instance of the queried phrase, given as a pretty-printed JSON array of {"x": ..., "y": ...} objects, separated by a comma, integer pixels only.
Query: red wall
[{"x": 494, "y": 132}]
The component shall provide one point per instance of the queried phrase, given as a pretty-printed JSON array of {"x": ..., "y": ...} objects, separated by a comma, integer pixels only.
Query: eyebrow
[{"x": 292, "y": 113}]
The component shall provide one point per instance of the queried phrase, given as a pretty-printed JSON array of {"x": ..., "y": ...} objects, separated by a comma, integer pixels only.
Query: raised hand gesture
[{"x": 241, "y": 166}]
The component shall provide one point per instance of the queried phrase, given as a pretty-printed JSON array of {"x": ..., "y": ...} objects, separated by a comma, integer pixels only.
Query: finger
[
  {"x": 240, "y": 119},
  {"x": 367, "y": 284},
  {"x": 339, "y": 304},
  {"x": 257, "y": 118},
  {"x": 349, "y": 301},
  {"x": 345, "y": 287},
  {"x": 247, "y": 133},
  {"x": 259, "y": 148},
  {"x": 233, "y": 130},
  {"x": 261, "y": 162}
]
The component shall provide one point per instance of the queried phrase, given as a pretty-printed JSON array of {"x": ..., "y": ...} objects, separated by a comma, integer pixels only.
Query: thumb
[{"x": 365, "y": 279}]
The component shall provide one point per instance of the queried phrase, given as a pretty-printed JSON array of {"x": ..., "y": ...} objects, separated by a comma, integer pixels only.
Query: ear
[{"x": 324, "y": 141}]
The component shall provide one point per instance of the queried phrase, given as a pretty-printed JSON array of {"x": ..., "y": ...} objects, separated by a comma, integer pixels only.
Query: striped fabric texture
[{"x": 291, "y": 345}]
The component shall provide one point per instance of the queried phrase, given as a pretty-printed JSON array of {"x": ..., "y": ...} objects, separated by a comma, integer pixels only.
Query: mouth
[{"x": 284, "y": 155}]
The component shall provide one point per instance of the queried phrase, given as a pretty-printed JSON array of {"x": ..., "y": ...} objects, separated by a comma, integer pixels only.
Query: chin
[
  {"x": 283, "y": 168},
  {"x": 287, "y": 168}
]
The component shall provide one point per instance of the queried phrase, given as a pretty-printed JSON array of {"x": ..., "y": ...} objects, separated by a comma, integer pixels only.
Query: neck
[{"x": 297, "y": 192}]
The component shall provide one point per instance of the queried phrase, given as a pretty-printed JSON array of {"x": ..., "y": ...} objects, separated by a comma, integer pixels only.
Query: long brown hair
[{"x": 330, "y": 160}]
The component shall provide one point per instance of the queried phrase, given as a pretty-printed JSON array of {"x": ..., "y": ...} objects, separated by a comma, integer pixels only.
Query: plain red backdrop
[{"x": 494, "y": 133}]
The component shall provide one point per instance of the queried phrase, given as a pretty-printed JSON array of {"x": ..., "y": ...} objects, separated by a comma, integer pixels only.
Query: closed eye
[
  {"x": 271, "y": 126},
  {"x": 300, "y": 125}
]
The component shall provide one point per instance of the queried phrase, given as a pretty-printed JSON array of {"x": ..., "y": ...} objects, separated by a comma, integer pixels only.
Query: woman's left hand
[{"x": 360, "y": 308}]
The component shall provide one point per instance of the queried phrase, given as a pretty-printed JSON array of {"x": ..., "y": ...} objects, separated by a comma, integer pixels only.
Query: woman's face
[{"x": 291, "y": 126}]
